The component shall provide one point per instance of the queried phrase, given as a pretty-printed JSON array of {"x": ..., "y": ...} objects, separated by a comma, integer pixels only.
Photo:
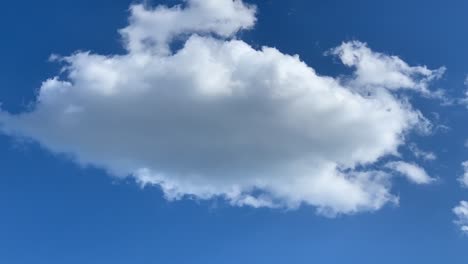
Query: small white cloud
[
  {"x": 218, "y": 118},
  {"x": 412, "y": 171},
  {"x": 464, "y": 178},
  {"x": 464, "y": 100},
  {"x": 375, "y": 69},
  {"x": 461, "y": 212},
  {"x": 421, "y": 154}
]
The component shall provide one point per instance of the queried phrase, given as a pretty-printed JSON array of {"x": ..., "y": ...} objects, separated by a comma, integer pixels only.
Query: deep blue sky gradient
[{"x": 54, "y": 212}]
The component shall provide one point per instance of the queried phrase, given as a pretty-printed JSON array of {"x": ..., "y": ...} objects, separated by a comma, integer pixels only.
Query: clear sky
[{"x": 180, "y": 140}]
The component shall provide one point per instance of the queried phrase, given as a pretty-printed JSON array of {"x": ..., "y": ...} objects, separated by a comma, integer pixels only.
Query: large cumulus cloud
[{"x": 220, "y": 118}]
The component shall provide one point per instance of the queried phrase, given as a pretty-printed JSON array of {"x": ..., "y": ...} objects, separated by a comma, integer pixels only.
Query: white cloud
[
  {"x": 220, "y": 118},
  {"x": 464, "y": 178},
  {"x": 151, "y": 30},
  {"x": 377, "y": 69},
  {"x": 464, "y": 100},
  {"x": 421, "y": 154},
  {"x": 412, "y": 171},
  {"x": 461, "y": 211}
]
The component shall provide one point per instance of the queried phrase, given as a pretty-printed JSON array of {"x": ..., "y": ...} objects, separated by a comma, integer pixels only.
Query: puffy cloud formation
[
  {"x": 153, "y": 30},
  {"x": 412, "y": 171},
  {"x": 461, "y": 211},
  {"x": 464, "y": 178},
  {"x": 218, "y": 118}
]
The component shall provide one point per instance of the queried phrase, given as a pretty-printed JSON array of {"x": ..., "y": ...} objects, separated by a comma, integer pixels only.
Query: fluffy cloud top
[
  {"x": 461, "y": 211},
  {"x": 153, "y": 30},
  {"x": 219, "y": 118},
  {"x": 412, "y": 171}
]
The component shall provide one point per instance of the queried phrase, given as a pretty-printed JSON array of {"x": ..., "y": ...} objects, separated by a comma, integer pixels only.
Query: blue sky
[{"x": 64, "y": 200}]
